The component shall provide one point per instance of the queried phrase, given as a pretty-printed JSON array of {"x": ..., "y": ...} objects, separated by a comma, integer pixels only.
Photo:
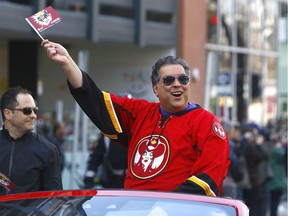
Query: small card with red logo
[
  {"x": 6, "y": 182},
  {"x": 43, "y": 20}
]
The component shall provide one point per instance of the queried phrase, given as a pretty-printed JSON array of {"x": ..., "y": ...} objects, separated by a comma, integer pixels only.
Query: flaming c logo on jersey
[
  {"x": 150, "y": 156},
  {"x": 218, "y": 130}
]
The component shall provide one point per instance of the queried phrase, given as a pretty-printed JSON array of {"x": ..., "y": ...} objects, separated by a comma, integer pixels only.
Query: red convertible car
[{"x": 118, "y": 203}]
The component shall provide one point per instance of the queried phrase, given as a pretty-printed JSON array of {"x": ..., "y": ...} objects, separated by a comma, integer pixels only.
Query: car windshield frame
[{"x": 118, "y": 203}]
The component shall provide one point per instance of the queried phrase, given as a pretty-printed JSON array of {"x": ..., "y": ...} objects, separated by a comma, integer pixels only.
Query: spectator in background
[
  {"x": 43, "y": 129},
  {"x": 54, "y": 132},
  {"x": 257, "y": 154},
  {"x": 246, "y": 136},
  {"x": 57, "y": 138},
  {"x": 52, "y": 121},
  {"x": 277, "y": 184},
  {"x": 107, "y": 165},
  {"x": 230, "y": 187},
  {"x": 28, "y": 162}
]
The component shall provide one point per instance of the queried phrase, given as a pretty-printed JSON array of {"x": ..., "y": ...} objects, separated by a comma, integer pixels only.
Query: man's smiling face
[{"x": 174, "y": 97}]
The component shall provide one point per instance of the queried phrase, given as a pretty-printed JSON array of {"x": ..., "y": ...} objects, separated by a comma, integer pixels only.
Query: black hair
[
  {"x": 155, "y": 76},
  {"x": 9, "y": 98}
]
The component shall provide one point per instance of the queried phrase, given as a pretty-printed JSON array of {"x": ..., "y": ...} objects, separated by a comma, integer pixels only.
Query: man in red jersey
[{"x": 173, "y": 144}]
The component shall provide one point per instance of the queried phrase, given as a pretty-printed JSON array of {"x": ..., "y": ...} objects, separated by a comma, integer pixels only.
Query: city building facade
[{"x": 247, "y": 48}]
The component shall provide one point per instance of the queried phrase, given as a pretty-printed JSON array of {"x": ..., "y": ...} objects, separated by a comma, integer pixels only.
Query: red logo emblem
[
  {"x": 218, "y": 130},
  {"x": 6, "y": 182},
  {"x": 150, "y": 157}
]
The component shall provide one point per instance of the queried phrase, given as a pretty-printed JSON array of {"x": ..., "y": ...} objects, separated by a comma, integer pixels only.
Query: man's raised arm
[{"x": 60, "y": 55}]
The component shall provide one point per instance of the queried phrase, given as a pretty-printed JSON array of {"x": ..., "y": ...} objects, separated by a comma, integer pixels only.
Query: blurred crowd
[
  {"x": 55, "y": 131},
  {"x": 258, "y": 170}
]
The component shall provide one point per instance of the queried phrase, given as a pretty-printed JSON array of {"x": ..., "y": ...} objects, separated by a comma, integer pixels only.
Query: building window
[
  {"x": 156, "y": 16},
  {"x": 117, "y": 11}
]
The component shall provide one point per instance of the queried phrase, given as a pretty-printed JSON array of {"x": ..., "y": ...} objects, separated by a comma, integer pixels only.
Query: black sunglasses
[
  {"x": 169, "y": 80},
  {"x": 27, "y": 110}
]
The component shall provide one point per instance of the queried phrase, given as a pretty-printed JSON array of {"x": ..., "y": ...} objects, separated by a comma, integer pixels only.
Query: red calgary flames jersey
[
  {"x": 187, "y": 150},
  {"x": 166, "y": 152}
]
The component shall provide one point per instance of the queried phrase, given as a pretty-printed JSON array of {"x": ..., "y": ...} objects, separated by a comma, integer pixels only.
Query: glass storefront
[{"x": 244, "y": 35}]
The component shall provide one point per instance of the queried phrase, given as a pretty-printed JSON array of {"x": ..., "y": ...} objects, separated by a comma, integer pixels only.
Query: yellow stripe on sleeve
[
  {"x": 111, "y": 112},
  {"x": 111, "y": 136},
  {"x": 202, "y": 184}
]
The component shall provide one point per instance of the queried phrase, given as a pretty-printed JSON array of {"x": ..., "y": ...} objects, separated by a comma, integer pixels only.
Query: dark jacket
[
  {"x": 257, "y": 160},
  {"x": 31, "y": 162}
]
